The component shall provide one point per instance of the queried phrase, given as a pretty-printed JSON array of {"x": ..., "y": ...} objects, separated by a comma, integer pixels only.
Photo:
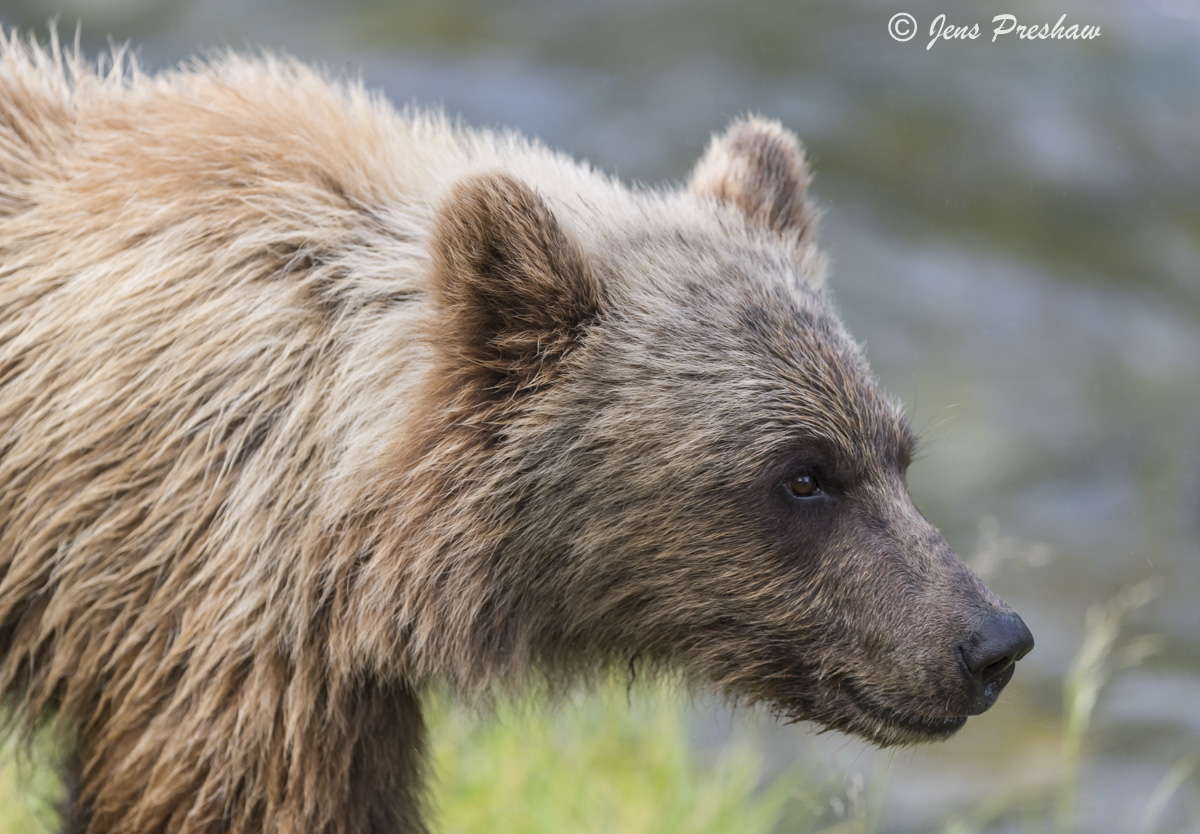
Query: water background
[{"x": 1015, "y": 236}]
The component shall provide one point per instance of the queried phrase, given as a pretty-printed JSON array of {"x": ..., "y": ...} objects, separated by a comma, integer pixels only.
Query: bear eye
[{"x": 803, "y": 486}]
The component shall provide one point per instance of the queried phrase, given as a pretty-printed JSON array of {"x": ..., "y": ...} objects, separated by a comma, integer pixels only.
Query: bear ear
[
  {"x": 759, "y": 167},
  {"x": 513, "y": 292}
]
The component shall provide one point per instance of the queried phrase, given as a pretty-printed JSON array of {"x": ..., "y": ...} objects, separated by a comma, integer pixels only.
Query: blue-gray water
[{"x": 1015, "y": 235}]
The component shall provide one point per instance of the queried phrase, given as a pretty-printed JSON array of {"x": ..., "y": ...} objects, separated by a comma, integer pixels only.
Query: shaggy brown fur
[{"x": 306, "y": 405}]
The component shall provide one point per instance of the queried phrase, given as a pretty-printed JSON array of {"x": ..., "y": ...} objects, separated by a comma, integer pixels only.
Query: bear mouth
[{"x": 898, "y": 726}]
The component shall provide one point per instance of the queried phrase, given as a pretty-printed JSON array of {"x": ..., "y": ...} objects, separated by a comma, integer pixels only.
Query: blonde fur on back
[{"x": 214, "y": 332}]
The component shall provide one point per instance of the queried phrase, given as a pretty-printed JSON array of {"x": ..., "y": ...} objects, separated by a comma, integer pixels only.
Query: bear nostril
[{"x": 991, "y": 651}]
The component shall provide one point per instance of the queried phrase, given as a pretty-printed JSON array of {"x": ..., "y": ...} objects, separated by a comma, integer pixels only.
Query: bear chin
[
  {"x": 888, "y": 726},
  {"x": 849, "y": 707}
]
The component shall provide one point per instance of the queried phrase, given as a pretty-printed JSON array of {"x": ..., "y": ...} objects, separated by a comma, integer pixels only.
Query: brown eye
[{"x": 803, "y": 486}]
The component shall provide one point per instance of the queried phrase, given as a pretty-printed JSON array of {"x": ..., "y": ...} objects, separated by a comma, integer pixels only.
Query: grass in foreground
[
  {"x": 606, "y": 763},
  {"x": 29, "y": 787}
]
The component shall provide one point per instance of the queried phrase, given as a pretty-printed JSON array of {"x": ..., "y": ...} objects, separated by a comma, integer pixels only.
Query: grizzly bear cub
[{"x": 307, "y": 404}]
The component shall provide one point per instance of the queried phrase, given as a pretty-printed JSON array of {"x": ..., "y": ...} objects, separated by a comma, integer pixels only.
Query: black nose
[{"x": 991, "y": 652}]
